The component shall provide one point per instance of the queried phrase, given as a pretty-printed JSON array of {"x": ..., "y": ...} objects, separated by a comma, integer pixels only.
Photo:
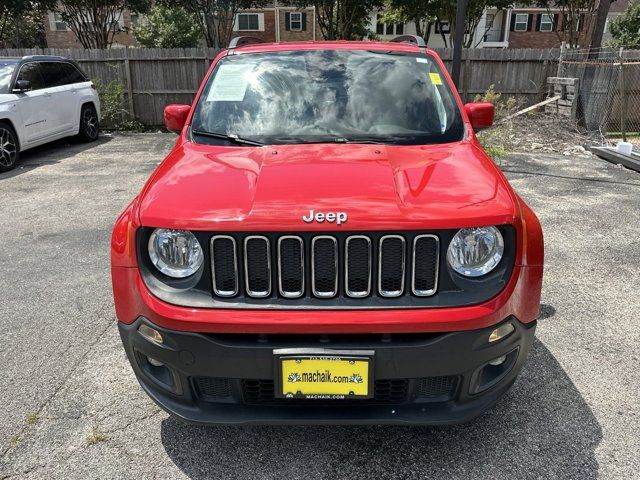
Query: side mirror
[
  {"x": 480, "y": 114},
  {"x": 22, "y": 86},
  {"x": 175, "y": 117}
]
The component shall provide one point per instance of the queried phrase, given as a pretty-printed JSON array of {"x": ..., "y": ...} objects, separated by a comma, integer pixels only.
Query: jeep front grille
[
  {"x": 324, "y": 267},
  {"x": 224, "y": 259}
]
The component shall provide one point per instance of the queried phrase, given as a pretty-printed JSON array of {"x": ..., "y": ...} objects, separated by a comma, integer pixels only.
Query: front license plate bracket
[{"x": 323, "y": 374}]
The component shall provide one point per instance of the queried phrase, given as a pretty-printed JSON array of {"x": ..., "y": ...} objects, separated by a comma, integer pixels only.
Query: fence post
[
  {"x": 560, "y": 59},
  {"x": 127, "y": 73},
  {"x": 623, "y": 103},
  {"x": 466, "y": 79}
]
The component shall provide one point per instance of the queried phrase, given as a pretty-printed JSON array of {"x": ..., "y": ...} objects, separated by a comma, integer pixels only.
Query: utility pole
[{"x": 461, "y": 10}]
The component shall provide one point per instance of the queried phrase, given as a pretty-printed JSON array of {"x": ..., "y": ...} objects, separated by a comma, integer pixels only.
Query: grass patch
[
  {"x": 32, "y": 419},
  {"x": 95, "y": 437},
  {"x": 14, "y": 441},
  {"x": 497, "y": 141}
]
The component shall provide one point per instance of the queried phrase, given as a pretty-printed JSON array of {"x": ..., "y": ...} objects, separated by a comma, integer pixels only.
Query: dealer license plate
[{"x": 324, "y": 375}]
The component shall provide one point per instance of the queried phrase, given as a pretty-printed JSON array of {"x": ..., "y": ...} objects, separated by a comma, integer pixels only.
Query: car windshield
[
  {"x": 328, "y": 96},
  {"x": 6, "y": 71}
]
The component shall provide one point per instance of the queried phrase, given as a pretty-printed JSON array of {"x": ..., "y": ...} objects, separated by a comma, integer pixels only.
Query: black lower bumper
[{"x": 418, "y": 378}]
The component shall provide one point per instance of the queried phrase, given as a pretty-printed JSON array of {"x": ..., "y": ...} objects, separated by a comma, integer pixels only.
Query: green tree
[
  {"x": 424, "y": 12},
  {"x": 342, "y": 19},
  {"x": 626, "y": 28},
  {"x": 421, "y": 12},
  {"x": 21, "y": 23},
  {"x": 168, "y": 27},
  {"x": 95, "y": 23}
]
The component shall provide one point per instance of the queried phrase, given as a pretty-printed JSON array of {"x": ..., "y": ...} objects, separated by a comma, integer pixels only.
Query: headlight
[
  {"x": 176, "y": 253},
  {"x": 474, "y": 252}
]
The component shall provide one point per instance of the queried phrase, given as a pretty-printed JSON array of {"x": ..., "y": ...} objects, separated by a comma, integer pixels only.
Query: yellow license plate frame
[{"x": 324, "y": 374}]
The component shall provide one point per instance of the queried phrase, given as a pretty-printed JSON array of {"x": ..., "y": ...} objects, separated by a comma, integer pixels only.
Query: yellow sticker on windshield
[{"x": 435, "y": 78}]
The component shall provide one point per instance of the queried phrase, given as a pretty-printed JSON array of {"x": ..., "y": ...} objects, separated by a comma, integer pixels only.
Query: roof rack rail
[
  {"x": 414, "y": 39},
  {"x": 43, "y": 57},
  {"x": 242, "y": 41}
]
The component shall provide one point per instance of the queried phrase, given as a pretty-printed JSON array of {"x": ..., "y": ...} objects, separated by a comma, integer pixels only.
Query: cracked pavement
[{"x": 70, "y": 406}]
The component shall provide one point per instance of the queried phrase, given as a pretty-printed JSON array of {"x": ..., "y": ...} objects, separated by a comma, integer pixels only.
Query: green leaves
[
  {"x": 626, "y": 28},
  {"x": 168, "y": 27}
]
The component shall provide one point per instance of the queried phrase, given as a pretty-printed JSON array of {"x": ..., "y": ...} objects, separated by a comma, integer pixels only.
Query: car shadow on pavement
[
  {"x": 542, "y": 428},
  {"x": 51, "y": 153}
]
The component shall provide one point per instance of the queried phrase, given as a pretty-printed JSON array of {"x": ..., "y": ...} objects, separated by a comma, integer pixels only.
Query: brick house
[
  {"x": 539, "y": 28},
  {"x": 278, "y": 24},
  {"x": 59, "y": 35},
  {"x": 272, "y": 23}
]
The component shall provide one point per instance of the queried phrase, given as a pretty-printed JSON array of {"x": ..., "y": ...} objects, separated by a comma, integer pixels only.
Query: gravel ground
[{"x": 70, "y": 406}]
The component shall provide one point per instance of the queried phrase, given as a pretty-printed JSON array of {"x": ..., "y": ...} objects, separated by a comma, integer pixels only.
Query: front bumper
[{"x": 431, "y": 378}]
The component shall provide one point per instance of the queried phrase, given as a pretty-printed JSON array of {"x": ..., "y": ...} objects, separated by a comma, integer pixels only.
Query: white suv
[{"x": 43, "y": 98}]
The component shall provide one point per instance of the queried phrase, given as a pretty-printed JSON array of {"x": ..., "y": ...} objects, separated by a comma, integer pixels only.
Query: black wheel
[
  {"x": 9, "y": 151},
  {"x": 89, "y": 124}
]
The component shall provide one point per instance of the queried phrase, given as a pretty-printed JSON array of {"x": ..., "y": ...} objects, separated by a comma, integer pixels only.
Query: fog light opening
[
  {"x": 150, "y": 334},
  {"x": 501, "y": 332},
  {"x": 156, "y": 363},
  {"x": 498, "y": 361}
]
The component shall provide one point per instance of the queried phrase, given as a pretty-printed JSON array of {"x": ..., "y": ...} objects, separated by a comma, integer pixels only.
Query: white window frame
[
  {"x": 54, "y": 20},
  {"x": 443, "y": 27},
  {"x": 548, "y": 23},
  {"x": 389, "y": 28},
  {"x": 567, "y": 20},
  {"x": 519, "y": 22},
  {"x": 236, "y": 24},
  {"x": 292, "y": 21}
]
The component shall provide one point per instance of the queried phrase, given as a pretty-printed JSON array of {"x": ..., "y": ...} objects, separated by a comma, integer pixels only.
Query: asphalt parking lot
[{"x": 70, "y": 406}]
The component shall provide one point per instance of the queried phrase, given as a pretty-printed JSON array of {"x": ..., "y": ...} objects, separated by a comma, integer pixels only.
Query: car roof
[
  {"x": 40, "y": 58},
  {"x": 332, "y": 45}
]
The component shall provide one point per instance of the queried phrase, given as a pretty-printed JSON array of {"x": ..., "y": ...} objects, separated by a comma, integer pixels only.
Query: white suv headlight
[
  {"x": 474, "y": 252},
  {"x": 176, "y": 253}
]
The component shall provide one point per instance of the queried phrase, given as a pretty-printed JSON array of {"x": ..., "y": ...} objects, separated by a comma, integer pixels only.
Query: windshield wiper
[{"x": 231, "y": 137}]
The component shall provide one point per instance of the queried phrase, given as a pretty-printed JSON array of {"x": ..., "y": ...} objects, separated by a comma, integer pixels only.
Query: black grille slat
[
  {"x": 290, "y": 266},
  {"x": 257, "y": 267},
  {"x": 224, "y": 266},
  {"x": 391, "y": 266},
  {"x": 275, "y": 268},
  {"x": 324, "y": 266},
  {"x": 385, "y": 391},
  {"x": 425, "y": 265},
  {"x": 358, "y": 266},
  {"x": 437, "y": 388},
  {"x": 213, "y": 388},
  {"x": 263, "y": 392}
]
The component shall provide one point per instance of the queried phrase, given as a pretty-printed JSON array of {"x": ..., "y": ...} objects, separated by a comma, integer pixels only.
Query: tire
[
  {"x": 89, "y": 125},
  {"x": 9, "y": 151}
]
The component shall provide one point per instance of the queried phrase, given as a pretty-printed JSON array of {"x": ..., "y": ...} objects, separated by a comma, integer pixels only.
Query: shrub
[{"x": 114, "y": 115}]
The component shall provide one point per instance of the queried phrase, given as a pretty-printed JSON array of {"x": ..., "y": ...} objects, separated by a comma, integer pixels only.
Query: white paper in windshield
[{"x": 230, "y": 83}]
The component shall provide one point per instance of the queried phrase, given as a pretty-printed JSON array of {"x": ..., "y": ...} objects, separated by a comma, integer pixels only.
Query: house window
[
  {"x": 568, "y": 22},
  {"x": 522, "y": 22},
  {"x": 443, "y": 27},
  {"x": 389, "y": 28},
  {"x": 138, "y": 19},
  {"x": 546, "y": 23},
  {"x": 248, "y": 21},
  {"x": 295, "y": 21},
  {"x": 59, "y": 25}
]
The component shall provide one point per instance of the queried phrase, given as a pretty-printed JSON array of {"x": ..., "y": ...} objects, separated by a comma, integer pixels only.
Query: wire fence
[{"x": 609, "y": 98}]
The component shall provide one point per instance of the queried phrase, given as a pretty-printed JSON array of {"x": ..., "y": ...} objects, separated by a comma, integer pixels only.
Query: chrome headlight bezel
[
  {"x": 493, "y": 242},
  {"x": 190, "y": 246}
]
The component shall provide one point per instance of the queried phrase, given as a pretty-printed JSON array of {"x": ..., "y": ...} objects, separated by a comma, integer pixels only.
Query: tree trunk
[{"x": 598, "y": 28}]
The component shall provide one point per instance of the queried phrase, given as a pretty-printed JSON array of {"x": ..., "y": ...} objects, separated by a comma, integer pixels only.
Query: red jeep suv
[{"x": 327, "y": 242}]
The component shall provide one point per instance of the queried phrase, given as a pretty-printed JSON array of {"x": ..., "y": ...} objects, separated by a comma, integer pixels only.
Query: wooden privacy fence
[{"x": 154, "y": 77}]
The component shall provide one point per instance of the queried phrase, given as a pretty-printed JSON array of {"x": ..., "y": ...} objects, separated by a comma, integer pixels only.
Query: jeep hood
[{"x": 204, "y": 187}]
